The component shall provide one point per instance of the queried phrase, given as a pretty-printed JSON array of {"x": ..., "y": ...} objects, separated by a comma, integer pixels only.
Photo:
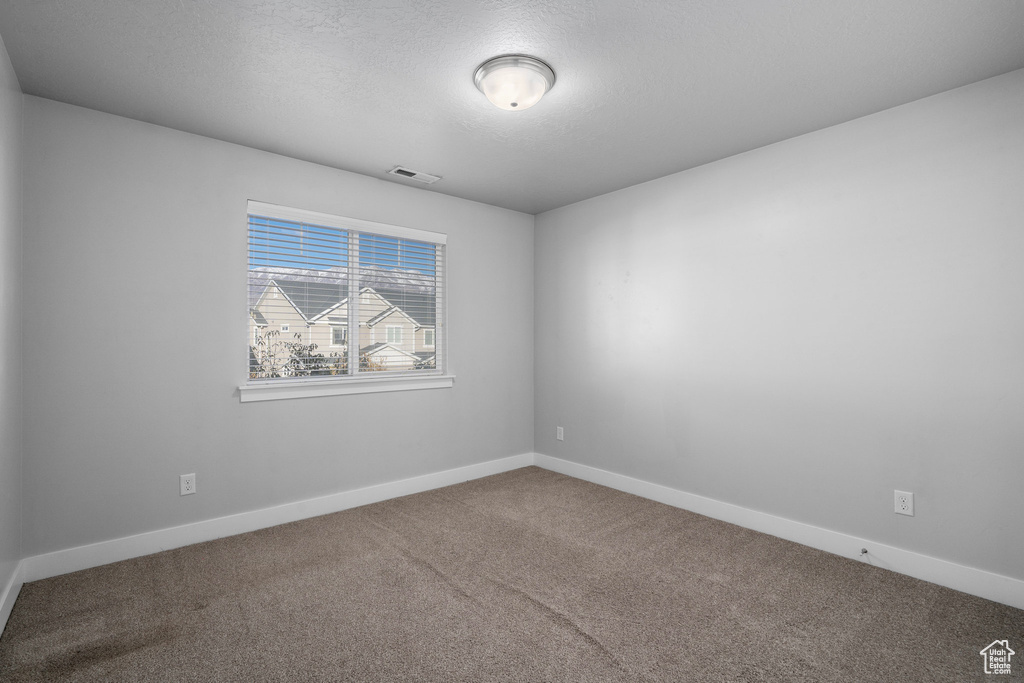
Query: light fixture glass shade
[{"x": 514, "y": 82}]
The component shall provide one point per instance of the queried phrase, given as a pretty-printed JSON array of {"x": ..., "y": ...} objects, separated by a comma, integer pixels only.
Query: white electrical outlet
[
  {"x": 188, "y": 484},
  {"x": 559, "y": 433},
  {"x": 904, "y": 503}
]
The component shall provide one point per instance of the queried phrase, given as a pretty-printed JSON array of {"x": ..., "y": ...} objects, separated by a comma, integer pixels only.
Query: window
[
  {"x": 336, "y": 278},
  {"x": 428, "y": 337}
]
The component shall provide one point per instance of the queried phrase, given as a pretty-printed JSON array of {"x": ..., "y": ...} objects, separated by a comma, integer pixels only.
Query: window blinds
[{"x": 340, "y": 297}]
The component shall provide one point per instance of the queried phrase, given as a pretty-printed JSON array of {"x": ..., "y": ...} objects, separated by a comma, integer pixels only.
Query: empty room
[{"x": 352, "y": 340}]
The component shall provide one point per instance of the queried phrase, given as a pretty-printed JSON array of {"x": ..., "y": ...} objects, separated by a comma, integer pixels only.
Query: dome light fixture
[{"x": 514, "y": 82}]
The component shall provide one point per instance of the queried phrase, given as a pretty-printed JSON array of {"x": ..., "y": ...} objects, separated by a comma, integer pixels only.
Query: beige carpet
[{"x": 524, "y": 576}]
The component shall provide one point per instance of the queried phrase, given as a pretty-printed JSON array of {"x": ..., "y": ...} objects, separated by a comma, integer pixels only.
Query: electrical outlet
[
  {"x": 904, "y": 503},
  {"x": 188, "y": 484},
  {"x": 559, "y": 433}
]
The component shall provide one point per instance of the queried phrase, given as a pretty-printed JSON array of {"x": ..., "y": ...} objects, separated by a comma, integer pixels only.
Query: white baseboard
[
  {"x": 10, "y": 594},
  {"x": 977, "y": 582},
  {"x": 115, "y": 550}
]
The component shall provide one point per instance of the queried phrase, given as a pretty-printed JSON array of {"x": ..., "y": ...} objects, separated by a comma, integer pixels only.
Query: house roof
[
  {"x": 316, "y": 298},
  {"x": 258, "y": 317},
  {"x": 380, "y": 316},
  {"x": 380, "y": 346},
  {"x": 387, "y": 313},
  {"x": 419, "y": 306},
  {"x": 312, "y": 298}
]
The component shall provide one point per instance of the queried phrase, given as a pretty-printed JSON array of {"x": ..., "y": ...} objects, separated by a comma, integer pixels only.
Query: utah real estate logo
[{"x": 997, "y": 657}]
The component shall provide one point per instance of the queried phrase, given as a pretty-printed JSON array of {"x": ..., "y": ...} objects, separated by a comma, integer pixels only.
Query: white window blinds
[{"x": 358, "y": 299}]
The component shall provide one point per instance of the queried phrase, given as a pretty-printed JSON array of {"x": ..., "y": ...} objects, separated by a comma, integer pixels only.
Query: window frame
[
  {"x": 266, "y": 389},
  {"x": 337, "y": 328},
  {"x": 397, "y": 330}
]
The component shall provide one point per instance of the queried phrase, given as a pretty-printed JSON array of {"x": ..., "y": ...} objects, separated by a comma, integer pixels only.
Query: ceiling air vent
[{"x": 404, "y": 172}]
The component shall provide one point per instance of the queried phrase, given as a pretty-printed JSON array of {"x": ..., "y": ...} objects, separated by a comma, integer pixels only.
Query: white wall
[
  {"x": 135, "y": 240},
  {"x": 10, "y": 325},
  {"x": 804, "y": 328}
]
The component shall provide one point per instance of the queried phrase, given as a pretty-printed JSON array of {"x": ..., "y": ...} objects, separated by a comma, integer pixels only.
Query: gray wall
[
  {"x": 10, "y": 320},
  {"x": 135, "y": 293},
  {"x": 797, "y": 330},
  {"x": 803, "y": 328}
]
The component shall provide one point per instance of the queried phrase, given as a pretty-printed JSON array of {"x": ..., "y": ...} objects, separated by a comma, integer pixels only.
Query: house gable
[
  {"x": 268, "y": 308},
  {"x": 390, "y": 312}
]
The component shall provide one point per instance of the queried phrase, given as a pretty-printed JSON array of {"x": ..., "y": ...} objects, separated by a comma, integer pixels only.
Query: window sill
[{"x": 284, "y": 389}]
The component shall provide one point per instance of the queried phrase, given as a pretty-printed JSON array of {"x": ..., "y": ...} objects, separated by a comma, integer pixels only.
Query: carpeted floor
[{"x": 523, "y": 576}]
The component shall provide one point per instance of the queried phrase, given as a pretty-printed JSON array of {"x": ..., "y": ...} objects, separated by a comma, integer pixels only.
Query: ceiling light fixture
[{"x": 514, "y": 82}]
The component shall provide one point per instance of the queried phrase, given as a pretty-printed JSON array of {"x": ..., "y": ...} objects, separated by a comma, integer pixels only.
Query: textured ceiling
[{"x": 644, "y": 89}]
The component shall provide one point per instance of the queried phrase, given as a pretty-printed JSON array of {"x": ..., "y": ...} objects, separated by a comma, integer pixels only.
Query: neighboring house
[
  {"x": 276, "y": 310},
  {"x": 396, "y": 328},
  {"x": 388, "y": 356}
]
